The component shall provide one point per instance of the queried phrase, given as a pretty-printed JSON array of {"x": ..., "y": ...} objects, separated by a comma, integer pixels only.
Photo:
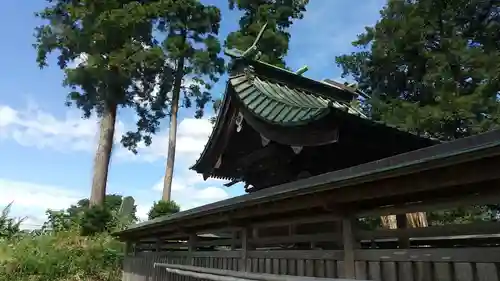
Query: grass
[{"x": 63, "y": 256}]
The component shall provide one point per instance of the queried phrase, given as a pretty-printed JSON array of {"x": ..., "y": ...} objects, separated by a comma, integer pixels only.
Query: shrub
[
  {"x": 95, "y": 220},
  {"x": 9, "y": 227},
  {"x": 62, "y": 256},
  {"x": 163, "y": 208}
]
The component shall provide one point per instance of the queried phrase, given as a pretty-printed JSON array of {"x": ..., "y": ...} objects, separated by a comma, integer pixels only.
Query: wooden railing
[
  {"x": 229, "y": 275},
  {"x": 459, "y": 264}
]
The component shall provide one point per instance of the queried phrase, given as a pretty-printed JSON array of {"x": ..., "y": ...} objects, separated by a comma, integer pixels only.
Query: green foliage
[
  {"x": 476, "y": 213},
  {"x": 431, "y": 67},
  {"x": 122, "y": 59},
  {"x": 112, "y": 202},
  {"x": 60, "y": 221},
  {"x": 273, "y": 46},
  {"x": 279, "y": 14},
  {"x": 369, "y": 223},
  {"x": 163, "y": 208},
  {"x": 61, "y": 256},
  {"x": 93, "y": 220},
  {"x": 9, "y": 227},
  {"x": 193, "y": 64}
]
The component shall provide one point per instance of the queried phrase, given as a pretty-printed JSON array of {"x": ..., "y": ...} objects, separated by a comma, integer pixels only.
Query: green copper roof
[{"x": 282, "y": 104}]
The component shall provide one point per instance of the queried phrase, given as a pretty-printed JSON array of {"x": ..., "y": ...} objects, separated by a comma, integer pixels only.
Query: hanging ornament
[{"x": 239, "y": 122}]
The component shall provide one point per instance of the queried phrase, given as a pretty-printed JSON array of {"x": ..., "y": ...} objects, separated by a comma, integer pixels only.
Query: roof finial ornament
[
  {"x": 251, "y": 50},
  {"x": 302, "y": 70},
  {"x": 235, "y": 53},
  {"x": 239, "y": 122}
]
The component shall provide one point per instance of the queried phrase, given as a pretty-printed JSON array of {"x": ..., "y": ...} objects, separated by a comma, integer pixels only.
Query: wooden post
[
  {"x": 255, "y": 232},
  {"x": 245, "y": 247},
  {"x": 128, "y": 248},
  {"x": 349, "y": 245},
  {"x": 234, "y": 237},
  {"x": 158, "y": 246},
  {"x": 192, "y": 247},
  {"x": 134, "y": 249},
  {"x": 402, "y": 222}
]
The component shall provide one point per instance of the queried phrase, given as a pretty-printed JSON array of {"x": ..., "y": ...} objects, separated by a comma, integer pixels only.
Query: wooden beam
[
  {"x": 298, "y": 254},
  {"x": 466, "y": 255},
  {"x": 219, "y": 242},
  {"x": 238, "y": 274},
  {"x": 298, "y": 238},
  {"x": 231, "y": 183},
  {"x": 203, "y": 276},
  {"x": 299, "y": 220},
  {"x": 467, "y": 173}
]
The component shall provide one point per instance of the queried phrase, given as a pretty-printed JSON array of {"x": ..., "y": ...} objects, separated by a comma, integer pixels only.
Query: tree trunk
[
  {"x": 389, "y": 221},
  {"x": 103, "y": 156},
  {"x": 418, "y": 219},
  {"x": 172, "y": 135}
]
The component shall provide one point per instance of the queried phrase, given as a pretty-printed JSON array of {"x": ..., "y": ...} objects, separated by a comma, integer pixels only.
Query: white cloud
[
  {"x": 192, "y": 135},
  {"x": 34, "y": 127},
  {"x": 30, "y": 200},
  {"x": 189, "y": 190}
]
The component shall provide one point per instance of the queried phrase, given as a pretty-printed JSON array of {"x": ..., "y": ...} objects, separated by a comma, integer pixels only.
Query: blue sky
[{"x": 46, "y": 149}]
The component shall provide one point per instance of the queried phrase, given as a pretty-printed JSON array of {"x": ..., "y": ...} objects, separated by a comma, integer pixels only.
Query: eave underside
[
  {"x": 446, "y": 173},
  {"x": 348, "y": 142}
]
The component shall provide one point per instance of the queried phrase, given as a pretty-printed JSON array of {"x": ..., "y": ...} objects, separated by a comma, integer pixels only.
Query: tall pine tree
[
  {"x": 115, "y": 40},
  {"x": 433, "y": 68},
  {"x": 192, "y": 50},
  {"x": 279, "y": 14}
]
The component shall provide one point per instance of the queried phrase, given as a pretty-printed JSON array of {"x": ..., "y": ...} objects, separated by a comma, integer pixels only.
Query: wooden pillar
[
  {"x": 127, "y": 248},
  {"x": 255, "y": 232},
  {"x": 158, "y": 246},
  {"x": 134, "y": 249},
  {"x": 234, "y": 238},
  {"x": 245, "y": 247},
  {"x": 193, "y": 238},
  {"x": 402, "y": 223},
  {"x": 349, "y": 242}
]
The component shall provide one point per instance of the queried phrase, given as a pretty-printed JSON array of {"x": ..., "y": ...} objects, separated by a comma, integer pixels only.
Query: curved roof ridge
[{"x": 277, "y": 103}]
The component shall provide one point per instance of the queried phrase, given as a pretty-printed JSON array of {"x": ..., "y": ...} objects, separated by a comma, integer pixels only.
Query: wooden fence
[{"x": 459, "y": 264}]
